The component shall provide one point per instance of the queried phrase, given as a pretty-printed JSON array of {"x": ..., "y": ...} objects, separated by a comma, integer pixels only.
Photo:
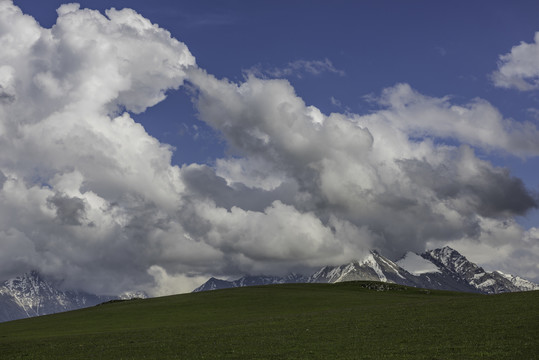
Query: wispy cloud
[
  {"x": 441, "y": 50},
  {"x": 298, "y": 68}
]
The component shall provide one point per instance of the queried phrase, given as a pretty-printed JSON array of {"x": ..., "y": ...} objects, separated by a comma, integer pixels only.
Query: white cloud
[
  {"x": 478, "y": 123},
  {"x": 279, "y": 235},
  {"x": 519, "y": 69},
  {"x": 78, "y": 175},
  {"x": 249, "y": 172},
  {"x": 166, "y": 284},
  {"x": 88, "y": 196},
  {"x": 370, "y": 171}
]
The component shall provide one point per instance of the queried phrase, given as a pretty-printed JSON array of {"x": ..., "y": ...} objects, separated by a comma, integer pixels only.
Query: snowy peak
[
  {"x": 348, "y": 272},
  {"x": 214, "y": 284},
  {"x": 373, "y": 267},
  {"x": 31, "y": 295},
  {"x": 442, "y": 269},
  {"x": 389, "y": 269},
  {"x": 452, "y": 260},
  {"x": 457, "y": 266},
  {"x": 29, "y": 283},
  {"x": 258, "y": 280},
  {"x": 327, "y": 274},
  {"x": 294, "y": 278},
  {"x": 129, "y": 295},
  {"x": 522, "y": 284}
]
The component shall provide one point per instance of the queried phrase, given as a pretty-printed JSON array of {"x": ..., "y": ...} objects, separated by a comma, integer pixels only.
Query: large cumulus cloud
[
  {"x": 372, "y": 172},
  {"x": 89, "y": 197},
  {"x": 78, "y": 172}
]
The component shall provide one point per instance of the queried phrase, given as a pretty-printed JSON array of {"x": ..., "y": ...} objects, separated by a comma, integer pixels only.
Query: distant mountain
[
  {"x": 442, "y": 269},
  {"x": 374, "y": 267},
  {"x": 458, "y": 273},
  {"x": 522, "y": 284},
  {"x": 31, "y": 295},
  {"x": 214, "y": 284}
]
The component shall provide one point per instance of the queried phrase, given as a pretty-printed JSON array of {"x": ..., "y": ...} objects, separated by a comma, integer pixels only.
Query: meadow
[{"x": 354, "y": 320}]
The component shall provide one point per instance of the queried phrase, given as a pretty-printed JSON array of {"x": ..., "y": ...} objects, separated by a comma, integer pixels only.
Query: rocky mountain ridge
[
  {"x": 215, "y": 284},
  {"x": 31, "y": 295},
  {"x": 441, "y": 269},
  {"x": 444, "y": 269}
]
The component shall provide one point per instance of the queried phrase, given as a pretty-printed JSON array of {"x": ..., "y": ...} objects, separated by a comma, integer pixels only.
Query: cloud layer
[{"x": 89, "y": 197}]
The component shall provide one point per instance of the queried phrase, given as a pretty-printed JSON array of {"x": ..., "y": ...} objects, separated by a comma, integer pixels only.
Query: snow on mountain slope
[
  {"x": 442, "y": 269},
  {"x": 451, "y": 260},
  {"x": 30, "y": 295},
  {"x": 373, "y": 267},
  {"x": 519, "y": 282},
  {"x": 458, "y": 266},
  {"x": 128, "y": 295}
]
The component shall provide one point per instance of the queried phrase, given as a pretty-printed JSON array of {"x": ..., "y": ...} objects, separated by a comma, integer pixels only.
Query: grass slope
[{"x": 356, "y": 320}]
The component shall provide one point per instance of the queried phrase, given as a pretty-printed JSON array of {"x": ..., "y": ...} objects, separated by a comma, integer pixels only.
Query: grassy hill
[{"x": 356, "y": 320}]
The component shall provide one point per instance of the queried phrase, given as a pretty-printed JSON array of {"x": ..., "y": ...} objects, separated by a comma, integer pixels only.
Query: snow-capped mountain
[
  {"x": 465, "y": 275},
  {"x": 128, "y": 295},
  {"x": 374, "y": 267},
  {"x": 442, "y": 269},
  {"x": 214, "y": 284},
  {"x": 522, "y": 284},
  {"x": 31, "y": 295}
]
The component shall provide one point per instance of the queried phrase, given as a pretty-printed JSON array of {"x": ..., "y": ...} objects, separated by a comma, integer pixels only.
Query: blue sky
[{"x": 411, "y": 66}]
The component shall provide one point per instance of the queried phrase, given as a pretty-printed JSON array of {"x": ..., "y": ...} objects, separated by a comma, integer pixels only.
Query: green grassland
[{"x": 356, "y": 320}]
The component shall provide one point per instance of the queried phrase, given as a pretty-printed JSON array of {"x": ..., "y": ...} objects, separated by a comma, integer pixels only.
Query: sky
[{"x": 151, "y": 145}]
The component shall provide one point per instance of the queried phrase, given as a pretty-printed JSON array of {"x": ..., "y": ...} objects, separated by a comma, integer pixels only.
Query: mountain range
[
  {"x": 31, "y": 295},
  {"x": 441, "y": 269}
]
